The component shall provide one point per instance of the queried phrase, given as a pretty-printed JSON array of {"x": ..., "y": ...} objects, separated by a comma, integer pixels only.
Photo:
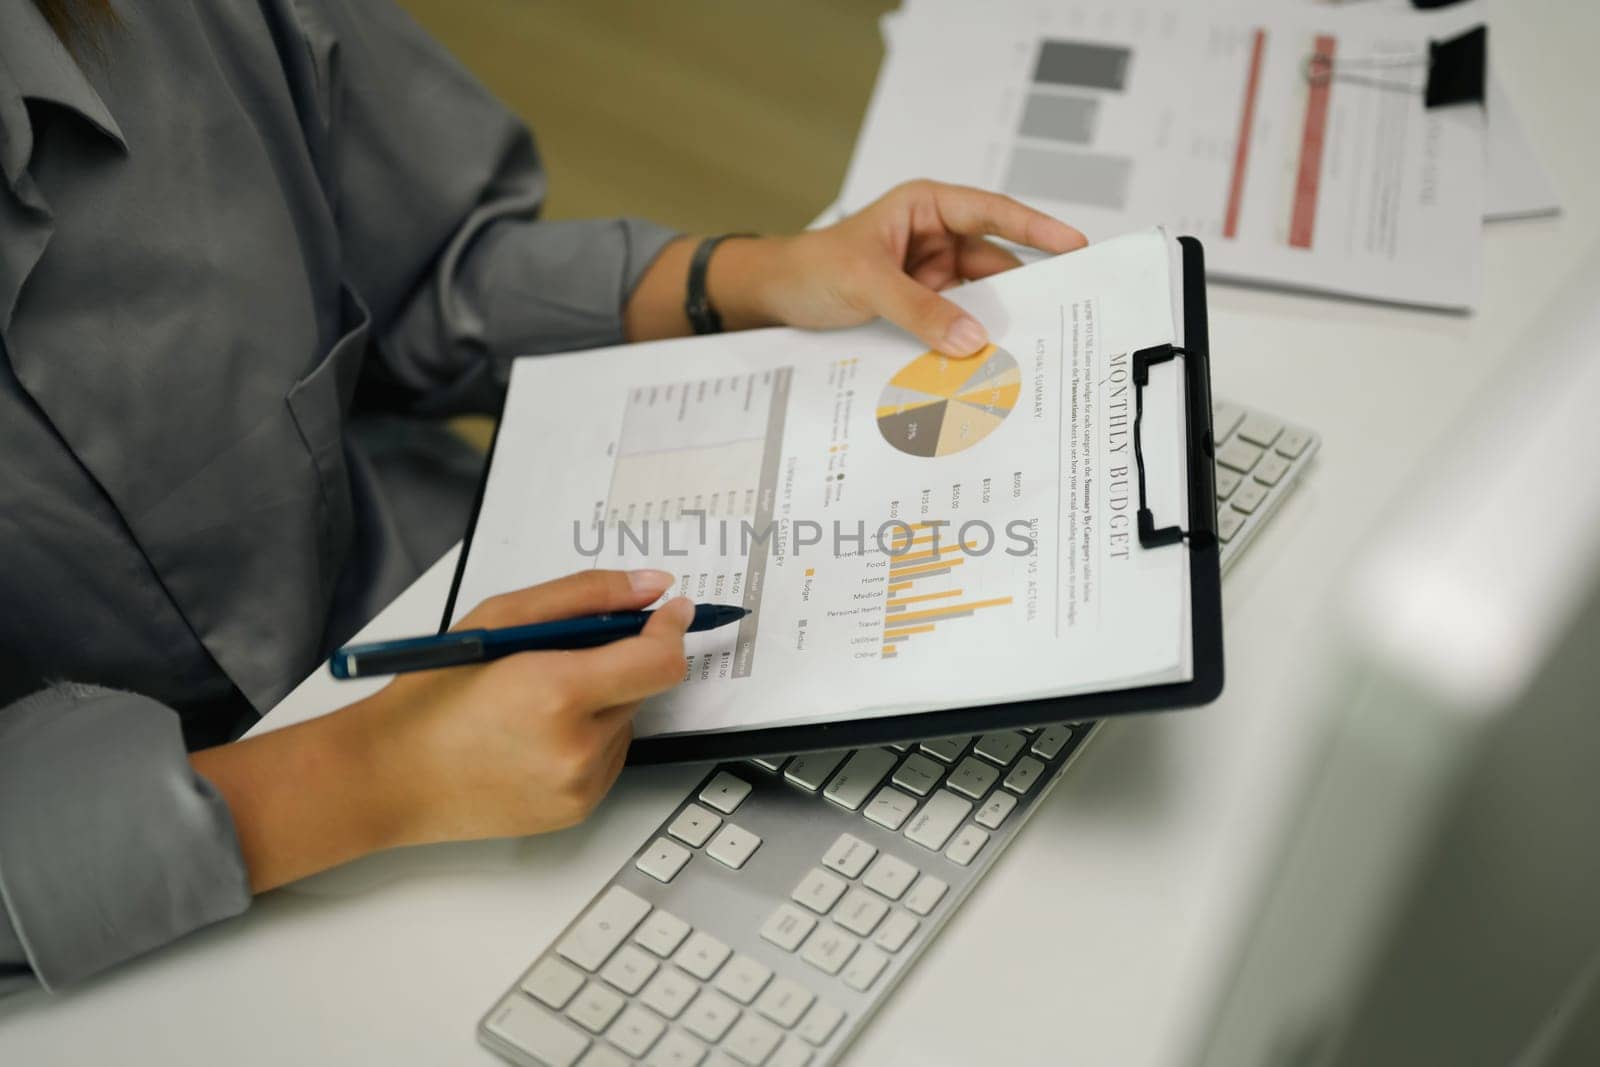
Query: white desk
[{"x": 1100, "y": 936}]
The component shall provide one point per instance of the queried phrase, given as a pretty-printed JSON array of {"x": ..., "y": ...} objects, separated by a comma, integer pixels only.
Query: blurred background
[{"x": 685, "y": 112}]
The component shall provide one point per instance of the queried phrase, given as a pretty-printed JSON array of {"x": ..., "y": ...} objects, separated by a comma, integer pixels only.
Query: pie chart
[{"x": 936, "y": 405}]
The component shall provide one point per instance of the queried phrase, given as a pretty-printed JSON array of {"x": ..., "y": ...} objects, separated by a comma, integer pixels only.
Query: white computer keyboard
[{"x": 776, "y": 907}]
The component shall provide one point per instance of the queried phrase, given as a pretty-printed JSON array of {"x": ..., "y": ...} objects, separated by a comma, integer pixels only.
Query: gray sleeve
[
  {"x": 110, "y": 843},
  {"x": 439, "y": 188}
]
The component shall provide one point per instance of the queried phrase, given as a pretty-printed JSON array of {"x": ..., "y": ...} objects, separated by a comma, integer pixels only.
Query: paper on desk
[
  {"x": 1518, "y": 186},
  {"x": 666, "y": 454},
  {"x": 1114, "y": 116}
]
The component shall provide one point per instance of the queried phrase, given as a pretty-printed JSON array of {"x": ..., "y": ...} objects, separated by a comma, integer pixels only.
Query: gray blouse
[{"x": 228, "y": 236}]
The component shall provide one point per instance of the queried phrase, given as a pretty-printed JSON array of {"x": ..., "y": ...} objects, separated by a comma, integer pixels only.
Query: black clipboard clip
[{"x": 1150, "y": 535}]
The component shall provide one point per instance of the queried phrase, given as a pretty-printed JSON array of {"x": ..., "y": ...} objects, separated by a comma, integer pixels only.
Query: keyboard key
[
  {"x": 552, "y": 982},
  {"x": 743, "y": 978},
  {"x": 1271, "y": 469},
  {"x": 669, "y": 992},
  {"x": 860, "y": 911},
  {"x": 787, "y": 927},
  {"x": 1260, "y": 429},
  {"x": 889, "y": 875},
  {"x": 710, "y": 1016},
  {"x": 972, "y": 777},
  {"x": 820, "y": 1022},
  {"x": 663, "y": 859},
  {"x": 859, "y": 776},
  {"x": 1227, "y": 482},
  {"x": 629, "y": 969},
  {"x": 1292, "y": 443},
  {"x": 819, "y": 890},
  {"x": 932, "y": 826},
  {"x": 918, "y": 774},
  {"x": 927, "y": 894},
  {"x": 768, "y": 763},
  {"x": 752, "y": 1040},
  {"x": 1224, "y": 417},
  {"x": 849, "y": 855},
  {"x": 1025, "y": 775},
  {"x": 635, "y": 1031},
  {"x": 1048, "y": 745},
  {"x": 1000, "y": 747},
  {"x": 966, "y": 845},
  {"x": 784, "y": 1001},
  {"x": 701, "y": 955},
  {"x": 1240, "y": 455},
  {"x": 948, "y": 749},
  {"x": 725, "y": 792},
  {"x": 812, "y": 769},
  {"x": 541, "y": 1035},
  {"x": 890, "y": 808},
  {"x": 1228, "y": 523},
  {"x": 594, "y": 1007},
  {"x": 732, "y": 846},
  {"x": 792, "y": 1053},
  {"x": 603, "y": 927},
  {"x": 895, "y": 931},
  {"x": 1249, "y": 497},
  {"x": 828, "y": 948},
  {"x": 600, "y": 1055},
  {"x": 996, "y": 808},
  {"x": 864, "y": 969},
  {"x": 662, "y": 933},
  {"x": 677, "y": 1049},
  {"x": 694, "y": 825}
]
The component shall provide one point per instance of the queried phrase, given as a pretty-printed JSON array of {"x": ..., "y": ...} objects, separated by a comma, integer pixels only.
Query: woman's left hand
[{"x": 891, "y": 259}]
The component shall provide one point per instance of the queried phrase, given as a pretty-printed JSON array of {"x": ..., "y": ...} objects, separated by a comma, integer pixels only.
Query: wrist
[
  {"x": 366, "y": 747},
  {"x": 744, "y": 280}
]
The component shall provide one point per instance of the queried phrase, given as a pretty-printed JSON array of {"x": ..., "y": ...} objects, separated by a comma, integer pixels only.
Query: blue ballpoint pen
[{"x": 461, "y": 647}]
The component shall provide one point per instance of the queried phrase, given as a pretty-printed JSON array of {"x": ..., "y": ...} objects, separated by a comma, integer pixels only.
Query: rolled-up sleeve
[
  {"x": 110, "y": 843},
  {"x": 439, "y": 189}
]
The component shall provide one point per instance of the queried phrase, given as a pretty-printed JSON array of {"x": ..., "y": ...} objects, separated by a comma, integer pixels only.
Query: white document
[
  {"x": 910, "y": 532},
  {"x": 1208, "y": 120},
  {"x": 1518, "y": 185}
]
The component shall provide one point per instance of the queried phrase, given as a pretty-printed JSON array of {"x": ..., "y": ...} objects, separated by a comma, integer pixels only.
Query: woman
[{"x": 227, "y": 232}]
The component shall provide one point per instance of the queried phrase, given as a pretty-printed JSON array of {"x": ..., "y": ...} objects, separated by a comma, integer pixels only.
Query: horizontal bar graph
[{"x": 915, "y": 606}]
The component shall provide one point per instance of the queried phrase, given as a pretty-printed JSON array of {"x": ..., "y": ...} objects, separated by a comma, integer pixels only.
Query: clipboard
[{"x": 1194, "y": 533}]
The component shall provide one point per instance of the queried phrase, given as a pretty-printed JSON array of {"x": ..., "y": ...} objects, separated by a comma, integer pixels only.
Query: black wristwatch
[{"x": 697, "y": 304}]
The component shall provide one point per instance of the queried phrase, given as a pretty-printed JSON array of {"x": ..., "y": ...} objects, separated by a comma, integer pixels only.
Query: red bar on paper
[
  {"x": 1241, "y": 151},
  {"x": 1303, "y": 222}
]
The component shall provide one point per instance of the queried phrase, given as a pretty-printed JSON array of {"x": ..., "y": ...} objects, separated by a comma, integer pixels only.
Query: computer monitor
[{"x": 1434, "y": 895}]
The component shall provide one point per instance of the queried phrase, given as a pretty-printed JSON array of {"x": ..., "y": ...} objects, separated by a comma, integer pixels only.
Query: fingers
[
  {"x": 584, "y": 593},
  {"x": 977, "y": 213},
  {"x": 977, "y": 258},
  {"x": 919, "y": 310},
  {"x": 634, "y": 668}
]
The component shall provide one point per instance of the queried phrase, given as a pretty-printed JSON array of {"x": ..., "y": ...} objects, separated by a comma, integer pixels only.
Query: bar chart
[{"x": 925, "y": 590}]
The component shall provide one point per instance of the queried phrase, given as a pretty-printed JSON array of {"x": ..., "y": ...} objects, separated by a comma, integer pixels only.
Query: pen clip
[{"x": 410, "y": 654}]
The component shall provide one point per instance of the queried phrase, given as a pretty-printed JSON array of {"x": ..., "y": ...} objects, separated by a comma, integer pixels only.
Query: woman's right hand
[{"x": 529, "y": 743}]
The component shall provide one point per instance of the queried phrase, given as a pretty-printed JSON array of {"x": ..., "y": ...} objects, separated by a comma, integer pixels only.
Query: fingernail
[
  {"x": 650, "y": 581},
  {"x": 965, "y": 336}
]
